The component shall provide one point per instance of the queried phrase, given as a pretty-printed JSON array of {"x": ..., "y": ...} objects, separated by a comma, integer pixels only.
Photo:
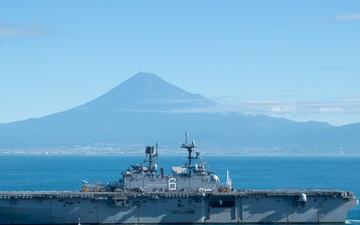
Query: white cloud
[
  {"x": 330, "y": 109},
  {"x": 283, "y": 109},
  {"x": 25, "y": 30},
  {"x": 347, "y": 17},
  {"x": 304, "y": 111}
]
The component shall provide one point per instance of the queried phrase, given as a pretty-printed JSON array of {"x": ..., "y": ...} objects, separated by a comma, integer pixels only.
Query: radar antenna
[
  {"x": 151, "y": 158},
  {"x": 189, "y": 147}
]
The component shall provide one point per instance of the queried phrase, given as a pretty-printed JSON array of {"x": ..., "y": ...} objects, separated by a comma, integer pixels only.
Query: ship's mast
[
  {"x": 189, "y": 147},
  {"x": 151, "y": 158}
]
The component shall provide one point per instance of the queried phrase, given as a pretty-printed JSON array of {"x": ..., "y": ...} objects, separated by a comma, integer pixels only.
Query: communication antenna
[
  {"x": 189, "y": 147},
  {"x": 151, "y": 158}
]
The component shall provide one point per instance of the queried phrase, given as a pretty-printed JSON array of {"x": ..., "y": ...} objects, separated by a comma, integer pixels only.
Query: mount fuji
[{"x": 145, "y": 109}]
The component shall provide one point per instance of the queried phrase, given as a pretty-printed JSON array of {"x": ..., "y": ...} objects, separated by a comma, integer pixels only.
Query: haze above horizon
[{"x": 294, "y": 60}]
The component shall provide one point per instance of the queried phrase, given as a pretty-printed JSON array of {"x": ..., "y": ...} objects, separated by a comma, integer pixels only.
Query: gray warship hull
[
  {"x": 277, "y": 206},
  {"x": 192, "y": 194}
]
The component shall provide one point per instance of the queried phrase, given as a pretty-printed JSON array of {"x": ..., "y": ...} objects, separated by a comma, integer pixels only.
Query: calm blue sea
[{"x": 66, "y": 172}]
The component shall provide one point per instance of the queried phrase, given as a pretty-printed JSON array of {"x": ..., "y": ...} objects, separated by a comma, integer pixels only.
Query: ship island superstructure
[{"x": 191, "y": 194}]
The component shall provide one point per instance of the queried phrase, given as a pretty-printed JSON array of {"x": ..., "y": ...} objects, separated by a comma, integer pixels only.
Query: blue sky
[{"x": 291, "y": 59}]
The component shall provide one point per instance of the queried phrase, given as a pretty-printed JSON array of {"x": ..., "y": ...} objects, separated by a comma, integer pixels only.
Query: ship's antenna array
[
  {"x": 151, "y": 158},
  {"x": 189, "y": 147}
]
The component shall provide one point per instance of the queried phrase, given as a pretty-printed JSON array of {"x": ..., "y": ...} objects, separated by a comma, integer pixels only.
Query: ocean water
[{"x": 66, "y": 172}]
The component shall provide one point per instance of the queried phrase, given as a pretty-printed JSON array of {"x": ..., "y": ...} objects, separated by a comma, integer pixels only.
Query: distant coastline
[{"x": 168, "y": 153}]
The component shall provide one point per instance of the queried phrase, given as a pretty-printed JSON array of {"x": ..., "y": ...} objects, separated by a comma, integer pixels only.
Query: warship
[{"x": 191, "y": 194}]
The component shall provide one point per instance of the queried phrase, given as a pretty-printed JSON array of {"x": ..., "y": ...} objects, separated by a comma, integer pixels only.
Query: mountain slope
[
  {"x": 147, "y": 91},
  {"x": 143, "y": 110}
]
